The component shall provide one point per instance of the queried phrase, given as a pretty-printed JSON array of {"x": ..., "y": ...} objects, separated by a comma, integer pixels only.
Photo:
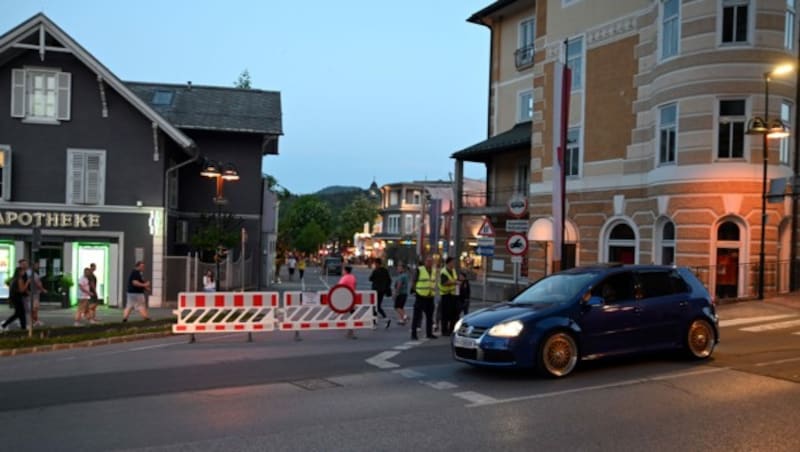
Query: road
[{"x": 384, "y": 392}]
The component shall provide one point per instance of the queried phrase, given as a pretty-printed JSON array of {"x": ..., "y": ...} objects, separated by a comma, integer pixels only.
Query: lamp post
[
  {"x": 767, "y": 129},
  {"x": 220, "y": 173}
]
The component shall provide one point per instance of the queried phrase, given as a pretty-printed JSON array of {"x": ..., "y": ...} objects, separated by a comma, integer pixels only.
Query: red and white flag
[{"x": 561, "y": 89}]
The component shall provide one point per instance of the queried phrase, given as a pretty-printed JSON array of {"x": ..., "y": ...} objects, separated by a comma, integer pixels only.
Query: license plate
[{"x": 465, "y": 342}]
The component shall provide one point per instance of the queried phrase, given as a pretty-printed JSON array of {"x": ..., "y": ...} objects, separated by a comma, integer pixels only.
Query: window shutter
[
  {"x": 75, "y": 164},
  {"x": 95, "y": 166},
  {"x": 5, "y": 174},
  {"x": 17, "y": 93},
  {"x": 64, "y": 81}
]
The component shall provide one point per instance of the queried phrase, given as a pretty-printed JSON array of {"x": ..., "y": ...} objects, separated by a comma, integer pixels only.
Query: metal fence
[
  {"x": 185, "y": 274},
  {"x": 741, "y": 281}
]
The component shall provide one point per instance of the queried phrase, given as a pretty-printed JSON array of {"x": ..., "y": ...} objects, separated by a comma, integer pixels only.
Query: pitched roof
[
  {"x": 478, "y": 17},
  {"x": 214, "y": 108},
  {"x": 42, "y": 24},
  {"x": 517, "y": 137}
]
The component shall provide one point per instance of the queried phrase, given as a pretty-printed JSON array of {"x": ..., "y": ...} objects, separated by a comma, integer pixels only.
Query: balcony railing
[
  {"x": 496, "y": 197},
  {"x": 524, "y": 57}
]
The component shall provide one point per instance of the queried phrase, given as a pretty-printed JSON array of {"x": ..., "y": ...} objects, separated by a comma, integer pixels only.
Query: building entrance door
[
  {"x": 727, "y": 273},
  {"x": 51, "y": 269}
]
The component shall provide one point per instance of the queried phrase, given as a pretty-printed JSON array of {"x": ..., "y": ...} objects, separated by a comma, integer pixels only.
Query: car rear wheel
[
  {"x": 558, "y": 355},
  {"x": 700, "y": 339}
]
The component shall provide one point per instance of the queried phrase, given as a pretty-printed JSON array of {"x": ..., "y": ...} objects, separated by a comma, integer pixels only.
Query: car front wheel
[
  {"x": 558, "y": 355},
  {"x": 700, "y": 339}
]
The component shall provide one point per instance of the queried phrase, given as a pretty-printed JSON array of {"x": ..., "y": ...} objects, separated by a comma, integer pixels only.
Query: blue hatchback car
[{"x": 588, "y": 313}]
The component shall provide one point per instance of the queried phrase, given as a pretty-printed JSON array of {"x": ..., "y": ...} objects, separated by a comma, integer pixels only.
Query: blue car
[{"x": 588, "y": 313}]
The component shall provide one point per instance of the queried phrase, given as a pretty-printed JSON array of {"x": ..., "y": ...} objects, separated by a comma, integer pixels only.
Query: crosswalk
[{"x": 765, "y": 323}]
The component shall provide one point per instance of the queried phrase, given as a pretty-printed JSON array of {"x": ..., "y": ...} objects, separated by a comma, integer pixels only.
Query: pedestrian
[
  {"x": 401, "y": 293},
  {"x": 423, "y": 288},
  {"x": 464, "y": 292},
  {"x": 209, "y": 285},
  {"x": 348, "y": 279},
  {"x": 36, "y": 289},
  {"x": 84, "y": 294},
  {"x": 94, "y": 299},
  {"x": 18, "y": 289},
  {"x": 382, "y": 284},
  {"x": 291, "y": 263},
  {"x": 138, "y": 288},
  {"x": 448, "y": 281},
  {"x": 301, "y": 267}
]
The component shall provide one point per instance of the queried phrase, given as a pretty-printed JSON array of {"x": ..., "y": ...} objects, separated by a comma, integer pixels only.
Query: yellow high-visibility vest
[
  {"x": 448, "y": 290},
  {"x": 425, "y": 283}
]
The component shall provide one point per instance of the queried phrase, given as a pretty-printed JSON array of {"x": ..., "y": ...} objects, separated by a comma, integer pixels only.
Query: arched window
[
  {"x": 667, "y": 251},
  {"x": 622, "y": 244},
  {"x": 728, "y": 231}
]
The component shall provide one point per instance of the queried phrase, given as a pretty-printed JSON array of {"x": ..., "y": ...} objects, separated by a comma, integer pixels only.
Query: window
[
  {"x": 525, "y": 51},
  {"x": 40, "y": 95},
  {"x": 521, "y": 180},
  {"x": 162, "y": 97},
  {"x": 86, "y": 176},
  {"x": 728, "y": 231},
  {"x": 412, "y": 197},
  {"x": 181, "y": 231},
  {"x": 575, "y": 62},
  {"x": 394, "y": 197},
  {"x": 5, "y": 173},
  {"x": 668, "y": 243},
  {"x": 572, "y": 158},
  {"x": 409, "y": 224},
  {"x": 730, "y": 136},
  {"x": 622, "y": 245},
  {"x": 667, "y": 131},
  {"x": 670, "y": 28},
  {"x": 525, "y": 106},
  {"x": 788, "y": 26},
  {"x": 616, "y": 288},
  {"x": 734, "y": 21},
  {"x": 786, "y": 118},
  {"x": 393, "y": 225},
  {"x": 661, "y": 283}
]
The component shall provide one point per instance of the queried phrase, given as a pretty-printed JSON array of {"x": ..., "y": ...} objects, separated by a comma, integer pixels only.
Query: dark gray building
[{"x": 94, "y": 169}]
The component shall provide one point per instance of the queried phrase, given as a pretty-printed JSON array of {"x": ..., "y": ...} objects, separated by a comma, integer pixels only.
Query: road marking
[
  {"x": 771, "y": 326},
  {"x": 780, "y": 361},
  {"x": 477, "y": 398},
  {"x": 440, "y": 385},
  {"x": 594, "y": 388},
  {"x": 407, "y": 346},
  {"x": 381, "y": 360},
  {"x": 136, "y": 349},
  {"x": 409, "y": 373},
  {"x": 745, "y": 321}
]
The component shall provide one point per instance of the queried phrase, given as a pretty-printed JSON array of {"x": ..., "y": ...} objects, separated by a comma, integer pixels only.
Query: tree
[
  {"x": 310, "y": 238},
  {"x": 213, "y": 232},
  {"x": 275, "y": 187},
  {"x": 352, "y": 218},
  {"x": 299, "y": 213},
  {"x": 244, "y": 81}
]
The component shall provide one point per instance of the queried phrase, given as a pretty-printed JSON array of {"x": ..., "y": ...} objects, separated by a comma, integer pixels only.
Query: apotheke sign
[{"x": 49, "y": 219}]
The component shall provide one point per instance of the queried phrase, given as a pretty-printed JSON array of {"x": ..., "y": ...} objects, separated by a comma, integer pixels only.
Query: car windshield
[{"x": 558, "y": 288}]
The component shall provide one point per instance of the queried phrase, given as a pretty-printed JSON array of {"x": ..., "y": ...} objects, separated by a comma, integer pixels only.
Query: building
[
  {"x": 659, "y": 166},
  {"x": 95, "y": 169}
]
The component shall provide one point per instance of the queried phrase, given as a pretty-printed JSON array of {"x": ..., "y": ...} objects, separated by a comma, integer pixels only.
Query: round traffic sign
[
  {"x": 341, "y": 299},
  {"x": 518, "y": 205},
  {"x": 517, "y": 244}
]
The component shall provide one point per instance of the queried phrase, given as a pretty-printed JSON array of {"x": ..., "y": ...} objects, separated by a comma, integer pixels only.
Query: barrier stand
[{"x": 220, "y": 312}]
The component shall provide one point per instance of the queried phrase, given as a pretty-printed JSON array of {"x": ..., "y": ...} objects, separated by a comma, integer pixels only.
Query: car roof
[{"x": 615, "y": 268}]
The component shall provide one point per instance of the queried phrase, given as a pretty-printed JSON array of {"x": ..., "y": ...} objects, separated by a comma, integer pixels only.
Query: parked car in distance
[
  {"x": 588, "y": 313},
  {"x": 332, "y": 265}
]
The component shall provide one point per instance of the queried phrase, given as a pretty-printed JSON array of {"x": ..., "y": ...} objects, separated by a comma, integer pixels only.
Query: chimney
[{"x": 189, "y": 85}]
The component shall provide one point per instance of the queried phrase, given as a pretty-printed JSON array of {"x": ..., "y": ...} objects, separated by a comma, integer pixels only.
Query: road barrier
[{"x": 224, "y": 312}]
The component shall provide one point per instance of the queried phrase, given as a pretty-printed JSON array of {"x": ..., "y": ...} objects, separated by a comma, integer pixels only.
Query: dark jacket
[{"x": 381, "y": 280}]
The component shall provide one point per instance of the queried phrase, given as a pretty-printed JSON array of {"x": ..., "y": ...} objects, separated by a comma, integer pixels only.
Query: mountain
[
  {"x": 338, "y": 189},
  {"x": 337, "y": 197}
]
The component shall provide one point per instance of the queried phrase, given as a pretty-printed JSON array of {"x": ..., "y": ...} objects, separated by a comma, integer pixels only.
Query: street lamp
[
  {"x": 767, "y": 129},
  {"x": 221, "y": 173}
]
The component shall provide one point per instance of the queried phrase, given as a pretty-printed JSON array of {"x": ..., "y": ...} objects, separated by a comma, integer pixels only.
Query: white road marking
[
  {"x": 409, "y": 373},
  {"x": 136, "y": 349},
  {"x": 403, "y": 347},
  {"x": 440, "y": 385},
  {"x": 595, "y": 387},
  {"x": 771, "y": 326},
  {"x": 476, "y": 398},
  {"x": 745, "y": 321},
  {"x": 780, "y": 361},
  {"x": 381, "y": 360}
]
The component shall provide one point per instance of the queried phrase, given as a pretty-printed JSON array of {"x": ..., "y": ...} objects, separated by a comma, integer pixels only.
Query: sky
[{"x": 371, "y": 89}]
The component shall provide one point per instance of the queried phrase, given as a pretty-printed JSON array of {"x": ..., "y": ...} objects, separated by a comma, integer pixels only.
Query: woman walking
[{"x": 401, "y": 293}]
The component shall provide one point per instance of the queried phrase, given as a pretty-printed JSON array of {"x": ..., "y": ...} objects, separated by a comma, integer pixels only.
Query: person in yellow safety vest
[
  {"x": 423, "y": 288},
  {"x": 448, "y": 282}
]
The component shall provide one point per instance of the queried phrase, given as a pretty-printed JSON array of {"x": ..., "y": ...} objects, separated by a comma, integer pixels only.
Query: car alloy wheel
[
  {"x": 701, "y": 339},
  {"x": 559, "y": 355}
]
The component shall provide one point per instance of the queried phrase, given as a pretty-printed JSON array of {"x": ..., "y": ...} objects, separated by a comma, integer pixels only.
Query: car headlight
[
  {"x": 507, "y": 329},
  {"x": 458, "y": 325}
]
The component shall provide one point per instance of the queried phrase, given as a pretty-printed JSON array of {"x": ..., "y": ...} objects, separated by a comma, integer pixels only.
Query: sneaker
[
  {"x": 388, "y": 322},
  {"x": 38, "y": 323},
  {"x": 95, "y": 322},
  {"x": 124, "y": 320},
  {"x": 3, "y": 329},
  {"x": 77, "y": 324},
  {"x": 374, "y": 324},
  {"x": 432, "y": 336}
]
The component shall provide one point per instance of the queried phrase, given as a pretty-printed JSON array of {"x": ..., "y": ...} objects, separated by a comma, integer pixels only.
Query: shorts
[
  {"x": 400, "y": 301},
  {"x": 136, "y": 300}
]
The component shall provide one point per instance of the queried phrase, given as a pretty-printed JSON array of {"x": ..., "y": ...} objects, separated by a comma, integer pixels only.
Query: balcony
[
  {"x": 485, "y": 203},
  {"x": 524, "y": 57}
]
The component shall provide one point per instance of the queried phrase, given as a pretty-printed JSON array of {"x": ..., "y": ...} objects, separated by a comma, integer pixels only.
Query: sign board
[
  {"x": 517, "y": 225},
  {"x": 518, "y": 205},
  {"x": 516, "y": 259},
  {"x": 486, "y": 230},
  {"x": 517, "y": 244},
  {"x": 486, "y": 241},
  {"x": 341, "y": 299},
  {"x": 485, "y": 251}
]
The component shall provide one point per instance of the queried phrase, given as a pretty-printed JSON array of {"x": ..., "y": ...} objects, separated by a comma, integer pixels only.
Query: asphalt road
[{"x": 382, "y": 392}]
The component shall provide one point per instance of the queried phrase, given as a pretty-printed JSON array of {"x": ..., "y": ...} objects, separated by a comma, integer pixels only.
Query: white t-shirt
[
  {"x": 208, "y": 283},
  {"x": 85, "y": 288}
]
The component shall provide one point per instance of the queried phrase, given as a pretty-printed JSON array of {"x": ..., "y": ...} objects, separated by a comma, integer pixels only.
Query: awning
[
  {"x": 519, "y": 137},
  {"x": 542, "y": 231}
]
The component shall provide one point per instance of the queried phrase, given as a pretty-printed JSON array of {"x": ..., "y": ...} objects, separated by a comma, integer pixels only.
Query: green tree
[
  {"x": 244, "y": 81},
  {"x": 299, "y": 213},
  {"x": 310, "y": 238},
  {"x": 225, "y": 231},
  {"x": 352, "y": 218}
]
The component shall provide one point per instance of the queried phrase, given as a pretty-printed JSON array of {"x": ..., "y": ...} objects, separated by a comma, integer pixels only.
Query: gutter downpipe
[{"x": 192, "y": 148}]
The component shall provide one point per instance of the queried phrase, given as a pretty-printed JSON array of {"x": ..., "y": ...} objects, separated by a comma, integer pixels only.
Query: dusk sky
[{"x": 370, "y": 89}]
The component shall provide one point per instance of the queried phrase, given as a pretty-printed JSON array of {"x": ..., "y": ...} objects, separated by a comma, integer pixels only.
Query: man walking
[
  {"x": 423, "y": 287},
  {"x": 137, "y": 288},
  {"x": 382, "y": 284},
  {"x": 449, "y": 302}
]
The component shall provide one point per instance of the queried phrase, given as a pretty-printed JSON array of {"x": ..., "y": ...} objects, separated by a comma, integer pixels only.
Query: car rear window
[{"x": 661, "y": 283}]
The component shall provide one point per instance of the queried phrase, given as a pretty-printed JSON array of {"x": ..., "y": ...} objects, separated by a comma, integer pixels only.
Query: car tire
[
  {"x": 701, "y": 338},
  {"x": 558, "y": 355}
]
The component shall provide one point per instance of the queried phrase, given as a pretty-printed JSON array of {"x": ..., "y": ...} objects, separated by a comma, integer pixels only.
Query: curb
[{"x": 82, "y": 344}]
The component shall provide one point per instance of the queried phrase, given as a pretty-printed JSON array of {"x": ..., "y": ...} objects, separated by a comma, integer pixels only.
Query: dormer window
[
  {"x": 162, "y": 98},
  {"x": 40, "y": 95}
]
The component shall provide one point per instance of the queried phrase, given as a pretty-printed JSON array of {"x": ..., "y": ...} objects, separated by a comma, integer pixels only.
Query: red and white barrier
[
  {"x": 337, "y": 309},
  {"x": 221, "y": 312}
]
